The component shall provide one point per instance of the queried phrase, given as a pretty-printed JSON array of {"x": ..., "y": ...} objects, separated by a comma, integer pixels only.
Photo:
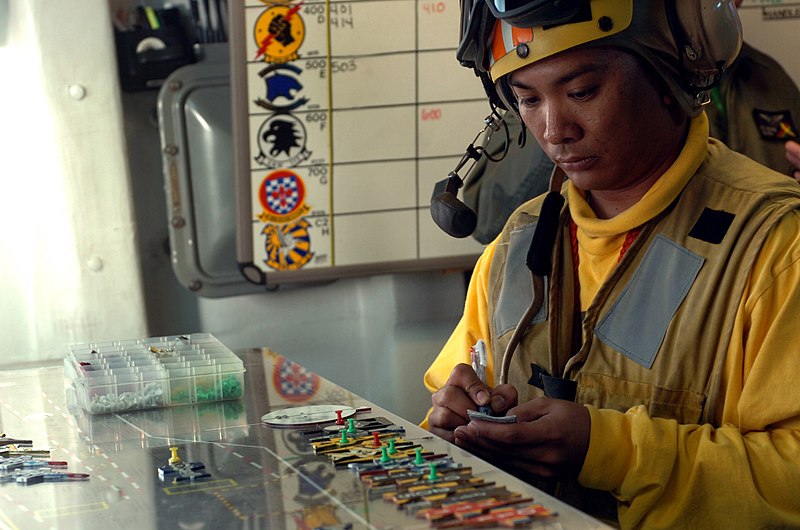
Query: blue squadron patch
[{"x": 282, "y": 88}]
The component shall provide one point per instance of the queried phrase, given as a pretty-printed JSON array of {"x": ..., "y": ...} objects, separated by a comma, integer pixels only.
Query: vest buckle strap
[{"x": 553, "y": 387}]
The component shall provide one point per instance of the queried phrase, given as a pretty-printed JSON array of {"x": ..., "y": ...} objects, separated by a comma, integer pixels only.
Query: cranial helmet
[{"x": 689, "y": 43}]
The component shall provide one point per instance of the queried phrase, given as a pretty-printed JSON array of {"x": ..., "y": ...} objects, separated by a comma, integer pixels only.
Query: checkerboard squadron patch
[
  {"x": 288, "y": 246},
  {"x": 293, "y": 382},
  {"x": 775, "y": 126},
  {"x": 282, "y": 196}
]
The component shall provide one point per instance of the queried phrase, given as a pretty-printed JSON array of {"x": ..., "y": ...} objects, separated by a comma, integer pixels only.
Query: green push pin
[
  {"x": 418, "y": 460},
  {"x": 385, "y": 455},
  {"x": 344, "y": 439},
  {"x": 392, "y": 449},
  {"x": 351, "y": 426},
  {"x": 433, "y": 475}
]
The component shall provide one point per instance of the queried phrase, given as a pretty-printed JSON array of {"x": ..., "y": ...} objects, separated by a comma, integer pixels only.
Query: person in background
[
  {"x": 754, "y": 110},
  {"x": 650, "y": 366},
  {"x": 793, "y": 155},
  {"x": 495, "y": 189}
]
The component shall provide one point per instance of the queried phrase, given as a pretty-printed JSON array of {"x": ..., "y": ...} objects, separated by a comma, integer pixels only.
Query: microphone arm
[
  {"x": 448, "y": 212},
  {"x": 491, "y": 124}
]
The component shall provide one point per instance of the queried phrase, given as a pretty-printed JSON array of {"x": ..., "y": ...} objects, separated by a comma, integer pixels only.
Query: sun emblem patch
[
  {"x": 288, "y": 247},
  {"x": 279, "y": 31},
  {"x": 775, "y": 126}
]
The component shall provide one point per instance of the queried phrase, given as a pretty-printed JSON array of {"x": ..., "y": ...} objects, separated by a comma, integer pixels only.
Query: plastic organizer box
[{"x": 136, "y": 374}]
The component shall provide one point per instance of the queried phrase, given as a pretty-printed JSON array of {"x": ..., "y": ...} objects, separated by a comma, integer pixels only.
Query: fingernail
[
  {"x": 483, "y": 397},
  {"x": 498, "y": 402}
]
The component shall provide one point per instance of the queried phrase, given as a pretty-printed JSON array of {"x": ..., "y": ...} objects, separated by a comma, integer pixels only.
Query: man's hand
[
  {"x": 549, "y": 440},
  {"x": 464, "y": 391},
  {"x": 793, "y": 156}
]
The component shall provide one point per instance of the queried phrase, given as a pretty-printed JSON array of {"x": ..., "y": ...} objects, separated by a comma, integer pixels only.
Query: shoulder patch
[
  {"x": 775, "y": 125},
  {"x": 712, "y": 225}
]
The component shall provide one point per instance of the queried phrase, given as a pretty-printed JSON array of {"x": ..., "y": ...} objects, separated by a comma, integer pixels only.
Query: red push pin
[
  {"x": 339, "y": 419},
  {"x": 376, "y": 439}
]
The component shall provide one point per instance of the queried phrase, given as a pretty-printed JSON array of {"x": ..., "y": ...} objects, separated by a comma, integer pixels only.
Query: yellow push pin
[{"x": 174, "y": 459}]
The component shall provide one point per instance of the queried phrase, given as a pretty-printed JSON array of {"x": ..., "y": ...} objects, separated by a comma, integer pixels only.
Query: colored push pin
[
  {"x": 344, "y": 439},
  {"x": 376, "y": 439},
  {"x": 433, "y": 475},
  {"x": 174, "y": 459},
  {"x": 385, "y": 455},
  {"x": 392, "y": 449},
  {"x": 339, "y": 419},
  {"x": 351, "y": 426},
  {"x": 418, "y": 460}
]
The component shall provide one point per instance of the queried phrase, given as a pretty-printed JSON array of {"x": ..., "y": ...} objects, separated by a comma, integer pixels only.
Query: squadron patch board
[{"x": 345, "y": 113}]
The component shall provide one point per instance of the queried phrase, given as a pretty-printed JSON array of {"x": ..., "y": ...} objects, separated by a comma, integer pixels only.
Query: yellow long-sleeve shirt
[{"x": 740, "y": 474}]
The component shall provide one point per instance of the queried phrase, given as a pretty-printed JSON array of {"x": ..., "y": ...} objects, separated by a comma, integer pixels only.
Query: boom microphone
[{"x": 448, "y": 212}]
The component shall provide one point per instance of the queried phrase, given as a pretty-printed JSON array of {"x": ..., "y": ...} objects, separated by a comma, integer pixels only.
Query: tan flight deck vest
[{"x": 657, "y": 332}]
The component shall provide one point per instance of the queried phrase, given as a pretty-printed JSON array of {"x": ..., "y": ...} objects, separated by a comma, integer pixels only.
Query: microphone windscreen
[{"x": 453, "y": 216}]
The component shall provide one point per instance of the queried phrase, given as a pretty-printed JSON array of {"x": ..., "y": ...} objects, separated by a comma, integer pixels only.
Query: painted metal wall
[
  {"x": 773, "y": 26},
  {"x": 67, "y": 234}
]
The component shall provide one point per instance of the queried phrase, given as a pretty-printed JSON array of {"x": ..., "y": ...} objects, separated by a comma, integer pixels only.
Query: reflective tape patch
[
  {"x": 516, "y": 293},
  {"x": 637, "y": 322}
]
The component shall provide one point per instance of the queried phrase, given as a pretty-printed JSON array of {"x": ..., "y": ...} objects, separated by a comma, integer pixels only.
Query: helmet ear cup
[
  {"x": 708, "y": 37},
  {"x": 476, "y": 29},
  {"x": 506, "y": 94}
]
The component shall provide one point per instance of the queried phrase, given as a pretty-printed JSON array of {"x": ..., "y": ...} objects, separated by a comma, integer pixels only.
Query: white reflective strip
[
  {"x": 500, "y": 5},
  {"x": 508, "y": 38}
]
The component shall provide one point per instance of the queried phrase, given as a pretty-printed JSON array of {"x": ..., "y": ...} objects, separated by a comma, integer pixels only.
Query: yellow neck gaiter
[{"x": 600, "y": 240}]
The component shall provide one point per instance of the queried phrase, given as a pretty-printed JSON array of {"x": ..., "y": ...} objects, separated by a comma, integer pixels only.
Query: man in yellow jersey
[{"x": 644, "y": 334}]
